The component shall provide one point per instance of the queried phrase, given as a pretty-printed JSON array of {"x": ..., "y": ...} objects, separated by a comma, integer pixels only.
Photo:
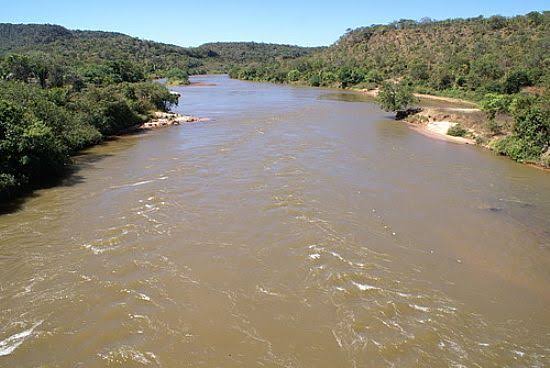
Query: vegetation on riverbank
[
  {"x": 52, "y": 106},
  {"x": 64, "y": 90},
  {"x": 500, "y": 63}
]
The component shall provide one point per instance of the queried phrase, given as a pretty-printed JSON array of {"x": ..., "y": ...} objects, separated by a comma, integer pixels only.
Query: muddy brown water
[{"x": 292, "y": 230}]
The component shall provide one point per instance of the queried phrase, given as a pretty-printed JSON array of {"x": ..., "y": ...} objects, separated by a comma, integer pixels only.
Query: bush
[
  {"x": 457, "y": 131},
  {"x": 107, "y": 110},
  {"x": 315, "y": 80},
  {"x": 516, "y": 148},
  {"x": 531, "y": 133},
  {"x": 532, "y": 116},
  {"x": 145, "y": 96},
  {"x": 515, "y": 80},
  {"x": 28, "y": 148},
  {"x": 495, "y": 103},
  {"x": 177, "y": 76},
  {"x": 293, "y": 75}
]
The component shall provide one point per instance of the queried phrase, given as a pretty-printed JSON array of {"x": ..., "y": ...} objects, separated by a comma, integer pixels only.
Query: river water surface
[{"x": 294, "y": 229}]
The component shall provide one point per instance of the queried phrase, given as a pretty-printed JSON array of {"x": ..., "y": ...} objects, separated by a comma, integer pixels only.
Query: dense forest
[
  {"x": 64, "y": 90},
  {"x": 502, "y": 63}
]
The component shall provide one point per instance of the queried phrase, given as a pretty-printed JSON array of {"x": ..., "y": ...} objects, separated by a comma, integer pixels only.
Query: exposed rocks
[
  {"x": 402, "y": 114},
  {"x": 165, "y": 119}
]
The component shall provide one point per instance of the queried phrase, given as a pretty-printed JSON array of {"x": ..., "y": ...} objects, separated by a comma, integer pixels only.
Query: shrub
[
  {"x": 515, "y": 80},
  {"x": 457, "y": 131},
  {"x": 315, "y": 80},
  {"x": 532, "y": 120},
  {"x": 28, "y": 147},
  {"x": 293, "y": 75},
  {"x": 531, "y": 134},
  {"x": 177, "y": 76},
  {"x": 494, "y": 103}
]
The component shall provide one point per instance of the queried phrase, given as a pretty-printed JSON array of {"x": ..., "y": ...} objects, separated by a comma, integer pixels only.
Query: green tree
[
  {"x": 19, "y": 67},
  {"x": 293, "y": 75},
  {"x": 515, "y": 80},
  {"x": 177, "y": 76},
  {"x": 395, "y": 97},
  {"x": 495, "y": 103}
]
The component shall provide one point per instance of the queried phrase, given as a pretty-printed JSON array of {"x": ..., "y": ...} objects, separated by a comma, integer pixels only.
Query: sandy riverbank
[
  {"x": 438, "y": 130},
  {"x": 165, "y": 119},
  {"x": 435, "y": 122}
]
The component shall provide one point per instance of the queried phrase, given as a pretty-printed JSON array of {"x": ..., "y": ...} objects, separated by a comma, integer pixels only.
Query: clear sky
[{"x": 301, "y": 22}]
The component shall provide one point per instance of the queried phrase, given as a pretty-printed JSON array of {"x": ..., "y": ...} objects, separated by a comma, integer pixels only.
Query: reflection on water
[{"x": 294, "y": 229}]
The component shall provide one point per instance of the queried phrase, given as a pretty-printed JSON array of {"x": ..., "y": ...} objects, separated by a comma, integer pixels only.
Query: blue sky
[{"x": 191, "y": 23}]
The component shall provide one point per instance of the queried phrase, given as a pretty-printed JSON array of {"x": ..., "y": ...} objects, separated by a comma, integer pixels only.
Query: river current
[{"x": 293, "y": 229}]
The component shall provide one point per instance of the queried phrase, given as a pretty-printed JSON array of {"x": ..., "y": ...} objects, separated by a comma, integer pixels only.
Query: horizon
[{"x": 276, "y": 24}]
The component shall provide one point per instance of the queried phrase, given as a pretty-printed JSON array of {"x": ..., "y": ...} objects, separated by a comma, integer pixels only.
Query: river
[{"x": 294, "y": 229}]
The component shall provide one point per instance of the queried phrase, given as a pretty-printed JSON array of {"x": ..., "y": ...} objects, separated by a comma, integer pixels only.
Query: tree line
[{"x": 52, "y": 106}]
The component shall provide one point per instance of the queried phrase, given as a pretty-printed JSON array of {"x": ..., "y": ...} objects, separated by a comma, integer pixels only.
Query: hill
[
  {"x": 225, "y": 55},
  {"x": 503, "y": 63},
  {"x": 464, "y": 55},
  {"x": 81, "y": 47},
  {"x": 14, "y": 36}
]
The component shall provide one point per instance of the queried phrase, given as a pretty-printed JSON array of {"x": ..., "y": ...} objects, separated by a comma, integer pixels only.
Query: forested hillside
[
  {"x": 478, "y": 54},
  {"x": 223, "y": 56},
  {"x": 86, "y": 47},
  {"x": 503, "y": 63}
]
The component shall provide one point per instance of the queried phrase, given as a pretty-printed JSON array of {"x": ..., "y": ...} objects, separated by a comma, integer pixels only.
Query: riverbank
[
  {"x": 421, "y": 96},
  {"x": 438, "y": 130},
  {"x": 165, "y": 119},
  {"x": 159, "y": 119},
  {"x": 439, "y": 114}
]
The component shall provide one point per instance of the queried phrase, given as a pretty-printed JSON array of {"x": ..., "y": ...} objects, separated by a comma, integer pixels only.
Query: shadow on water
[{"x": 70, "y": 177}]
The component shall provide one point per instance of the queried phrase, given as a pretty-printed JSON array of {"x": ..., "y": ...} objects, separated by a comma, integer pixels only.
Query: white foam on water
[
  {"x": 403, "y": 295},
  {"x": 139, "y": 295},
  {"x": 419, "y": 307},
  {"x": 141, "y": 183},
  {"x": 315, "y": 256},
  {"x": 518, "y": 353},
  {"x": 126, "y": 354},
  {"x": 144, "y": 297},
  {"x": 265, "y": 291},
  {"x": 97, "y": 250},
  {"x": 8, "y": 345},
  {"x": 364, "y": 287}
]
